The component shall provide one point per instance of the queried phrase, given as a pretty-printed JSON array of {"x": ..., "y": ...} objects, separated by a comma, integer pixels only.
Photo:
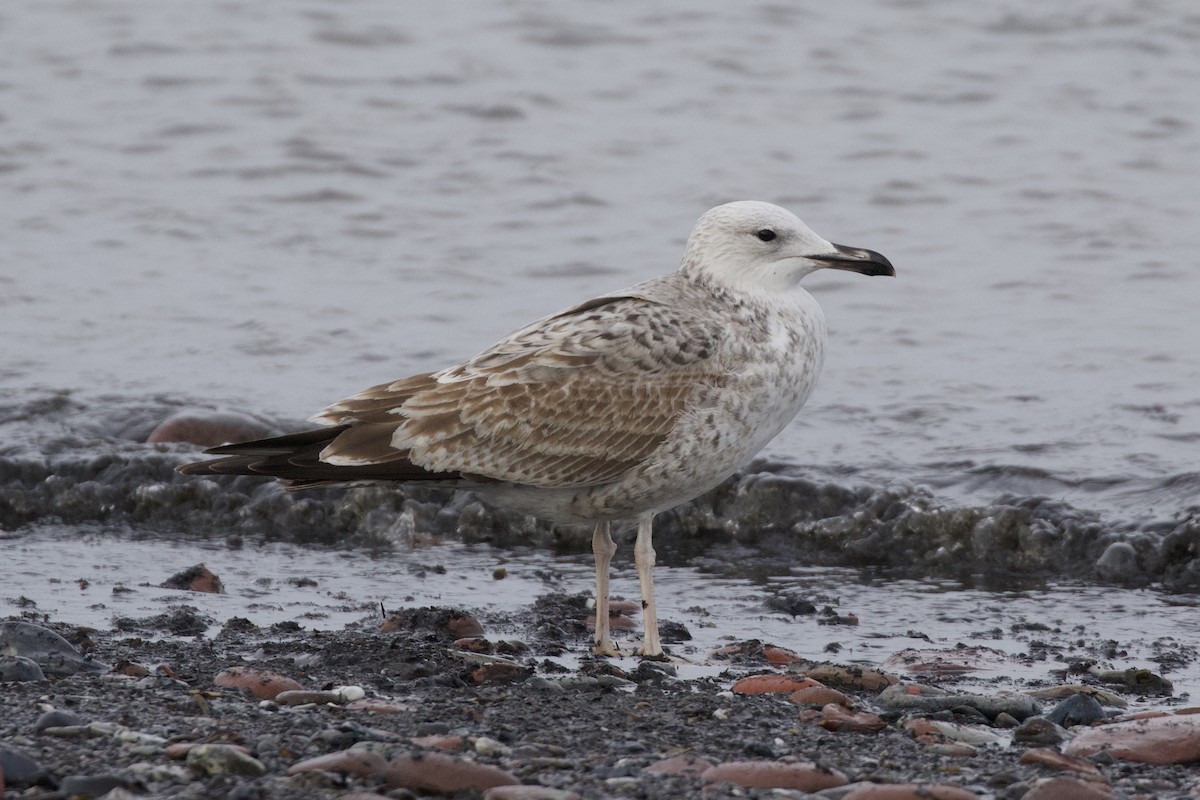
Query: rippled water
[{"x": 268, "y": 206}]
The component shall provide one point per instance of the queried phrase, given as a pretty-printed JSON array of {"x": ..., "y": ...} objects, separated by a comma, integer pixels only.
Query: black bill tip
[{"x": 857, "y": 259}]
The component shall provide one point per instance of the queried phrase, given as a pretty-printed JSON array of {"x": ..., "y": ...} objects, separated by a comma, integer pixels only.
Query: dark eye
[{"x": 766, "y": 234}]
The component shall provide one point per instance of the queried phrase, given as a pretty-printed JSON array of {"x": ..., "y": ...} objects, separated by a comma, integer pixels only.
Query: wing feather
[{"x": 573, "y": 400}]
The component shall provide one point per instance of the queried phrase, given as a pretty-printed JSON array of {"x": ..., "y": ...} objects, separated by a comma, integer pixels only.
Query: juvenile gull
[{"x": 620, "y": 407}]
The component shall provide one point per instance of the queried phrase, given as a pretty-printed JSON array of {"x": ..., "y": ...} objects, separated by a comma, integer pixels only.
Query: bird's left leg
[{"x": 643, "y": 556}]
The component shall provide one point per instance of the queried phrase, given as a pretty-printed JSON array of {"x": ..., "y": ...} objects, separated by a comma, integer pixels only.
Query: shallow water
[{"x": 1004, "y": 639}]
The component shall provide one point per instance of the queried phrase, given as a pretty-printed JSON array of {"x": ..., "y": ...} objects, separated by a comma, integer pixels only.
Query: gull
[{"x": 617, "y": 408}]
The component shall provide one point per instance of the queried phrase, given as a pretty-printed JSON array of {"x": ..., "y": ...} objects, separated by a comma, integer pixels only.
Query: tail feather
[{"x": 295, "y": 460}]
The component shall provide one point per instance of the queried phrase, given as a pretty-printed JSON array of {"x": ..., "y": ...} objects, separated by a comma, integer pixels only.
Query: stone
[
  {"x": 929, "y": 699},
  {"x": 1063, "y": 788},
  {"x": 529, "y": 793},
  {"x": 680, "y": 765},
  {"x": 908, "y": 791},
  {"x": 299, "y": 697},
  {"x": 19, "y": 669},
  {"x": 56, "y": 719},
  {"x": 19, "y": 769},
  {"x": 1056, "y": 760},
  {"x": 937, "y": 730},
  {"x": 1038, "y": 732},
  {"x": 363, "y": 763},
  {"x": 51, "y": 652},
  {"x": 208, "y": 428},
  {"x": 806, "y": 777},
  {"x": 1162, "y": 740},
  {"x": 819, "y": 696},
  {"x": 1078, "y": 709},
  {"x": 224, "y": 759},
  {"x": 91, "y": 785},
  {"x": 836, "y": 718},
  {"x": 436, "y": 772},
  {"x": 850, "y": 677},
  {"x": 773, "y": 684},
  {"x": 198, "y": 578},
  {"x": 261, "y": 684}
]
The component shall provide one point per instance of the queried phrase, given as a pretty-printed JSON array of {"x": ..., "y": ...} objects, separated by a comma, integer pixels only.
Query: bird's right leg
[{"x": 603, "y": 547}]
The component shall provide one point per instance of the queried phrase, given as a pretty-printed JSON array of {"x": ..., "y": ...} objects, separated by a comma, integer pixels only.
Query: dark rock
[
  {"x": 91, "y": 785},
  {"x": 1038, "y": 732},
  {"x": 20, "y": 668},
  {"x": 19, "y": 769},
  {"x": 54, "y": 654},
  {"x": 1078, "y": 709}
]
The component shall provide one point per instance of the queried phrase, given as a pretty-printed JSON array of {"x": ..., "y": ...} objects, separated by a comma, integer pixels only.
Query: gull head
[{"x": 754, "y": 245}]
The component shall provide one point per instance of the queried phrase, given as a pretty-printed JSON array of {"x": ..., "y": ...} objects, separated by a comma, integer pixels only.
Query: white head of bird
[{"x": 759, "y": 247}]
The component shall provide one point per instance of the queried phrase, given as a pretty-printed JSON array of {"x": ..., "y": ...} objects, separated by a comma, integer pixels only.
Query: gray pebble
[
  {"x": 217, "y": 759},
  {"x": 18, "y": 768},
  {"x": 20, "y": 668},
  {"x": 54, "y": 654},
  {"x": 91, "y": 785},
  {"x": 57, "y": 719},
  {"x": 897, "y": 698},
  {"x": 1039, "y": 732}
]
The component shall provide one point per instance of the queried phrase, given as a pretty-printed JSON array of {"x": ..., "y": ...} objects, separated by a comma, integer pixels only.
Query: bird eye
[{"x": 766, "y": 234}]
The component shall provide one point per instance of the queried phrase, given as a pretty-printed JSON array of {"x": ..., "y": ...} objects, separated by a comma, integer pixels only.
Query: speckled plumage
[{"x": 620, "y": 407}]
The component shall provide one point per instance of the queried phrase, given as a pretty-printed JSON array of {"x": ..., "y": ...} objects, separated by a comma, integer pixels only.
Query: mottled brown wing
[{"x": 573, "y": 400}]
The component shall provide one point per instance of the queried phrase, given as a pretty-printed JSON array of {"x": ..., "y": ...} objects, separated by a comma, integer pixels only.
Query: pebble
[
  {"x": 17, "y": 768},
  {"x": 208, "y": 428},
  {"x": 907, "y": 791},
  {"x": 1142, "y": 681},
  {"x": 299, "y": 697},
  {"x": 435, "y": 772},
  {"x": 376, "y": 706},
  {"x": 680, "y": 765},
  {"x": 489, "y": 747},
  {"x": 850, "y": 677},
  {"x": 1078, "y": 709},
  {"x": 439, "y": 742},
  {"x": 56, "y": 719},
  {"x": 773, "y": 684},
  {"x": 1068, "y": 789},
  {"x": 819, "y": 696},
  {"x": 260, "y": 683},
  {"x": 499, "y": 673},
  {"x": 91, "y": 785},
  {"x": 1162, "y": 740},
  {"x": 919, "y": 697},
  {"x": 974, "y": 735},
  {"x": 223, "y": 759},
  {"x": 51, "y": 652},
  {"x": 529, "y": 793},
  {"x": 1039, "y": 732},
  {"x": 836, "y": 718},
  {"x": 1104, "y": 698},
  {"x": 806, "y": 777},
  {"x": 19, "y": 668},
  {"x": 1056, "y": 760}
]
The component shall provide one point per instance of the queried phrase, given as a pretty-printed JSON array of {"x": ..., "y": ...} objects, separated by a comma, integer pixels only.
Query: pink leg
[{"x": 603, "y": 547}]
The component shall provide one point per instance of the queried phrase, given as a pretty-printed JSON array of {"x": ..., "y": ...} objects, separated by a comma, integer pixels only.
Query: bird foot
[
  {"x": 607, "y": 648},
  {"x": 655, "y": 654}
]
